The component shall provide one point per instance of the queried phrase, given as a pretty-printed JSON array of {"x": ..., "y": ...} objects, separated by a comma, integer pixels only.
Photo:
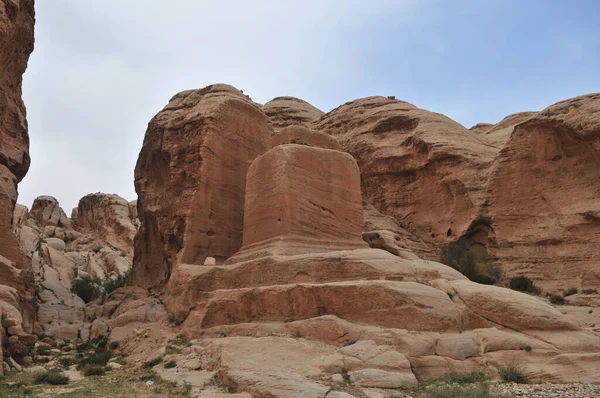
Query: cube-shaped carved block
[{"x": 302, "y": 199}]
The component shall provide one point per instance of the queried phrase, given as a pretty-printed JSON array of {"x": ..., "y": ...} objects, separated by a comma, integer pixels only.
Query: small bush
[
  {"x": 450, "y": 295},
  {"x": 527, "y": 348},
  {"x": 522, "y": 284},
  {"x": 87, "y": 288},
  {"x": 112, "y": 284},
  {"x": 570, "y": 292},
  {"x": 589, "y": 291},
  {"x": 153, "y": 362},
  {"x": 556, "y": 299},
  {"x": 465, "y": 378},
  {"x": 478, "y": 268},
  {"x": 51, "y": 377},
  {"x": 512, "y": 373},
  {"x": 65, "y": 362},
  {"x": 43, "y": 350},
  {"x": 479, "y": 390},
  {"x": 170, "y": 364},
  {"x": 114, "y": 345},
  {"x": 590, "y": 311},
  {"x": 94, "y": 370},
  {"x": 98, "y": 358}
]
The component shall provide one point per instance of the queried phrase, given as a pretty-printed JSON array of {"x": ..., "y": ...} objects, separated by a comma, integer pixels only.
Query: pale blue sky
[{"x": 102, "y": 68}]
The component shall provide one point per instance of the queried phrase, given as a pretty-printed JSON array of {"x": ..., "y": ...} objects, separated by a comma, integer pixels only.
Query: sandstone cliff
[
  {"x": 262, "y": 236},
  {"x": 544, "y": 196},
  {"x": 16, "y": 43},
  {"x": 422, "y": 169},
  {"x": 97, "y": 242},
  {"x": 190, "y": 178}
]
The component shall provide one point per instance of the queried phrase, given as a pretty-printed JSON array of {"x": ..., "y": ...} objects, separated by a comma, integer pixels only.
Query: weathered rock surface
[
  {"x": 290, "y": 314},
  {"x": 301, "y": 199},
  {"x": 16, "y": 44},
  {"x": 289, "y": 111},
  {"x": 544, "y": 196},
  {"x": 420, "y": 168},
  {"x": 98, "y": 243},
  {"x": 190, "y": 178}
]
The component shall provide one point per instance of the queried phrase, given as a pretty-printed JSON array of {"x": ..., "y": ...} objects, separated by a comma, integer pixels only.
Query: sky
[{"x": 101, "y": 69}]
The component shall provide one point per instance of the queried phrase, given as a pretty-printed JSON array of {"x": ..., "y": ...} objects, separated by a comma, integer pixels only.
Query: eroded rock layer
[
  {"x": 421, "y": 168},
  {"x": 16, "y": 279},
  {"x": 544, "y": 196},
  {"x": 301, "y": 273},
  {"x": 97, "y": 243},
  {"x": 190, "y": 178}
]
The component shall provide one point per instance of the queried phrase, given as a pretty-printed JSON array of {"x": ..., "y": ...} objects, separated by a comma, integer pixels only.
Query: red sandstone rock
[
  {"x": 544, "y": 196},
  {"x": 304, "y": 136},
  {"x": 191, "y": 177},
  {"x": 289, "y": 111},
  {"x": 16, "y": 43},
  {"x": 422, "y": 169},
  {"x": 301, "y": 199}
]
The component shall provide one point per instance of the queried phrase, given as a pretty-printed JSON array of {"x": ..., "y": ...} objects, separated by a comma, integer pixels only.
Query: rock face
[
  {"x": 16, "y": 43},
  {"x": 97, "y": 243},
  {"x": 301, "y": 199},
  {"x": 301, "y": 268},
  {"x": 190, "y": 178},
  {"x": 523, "y": 191},
  {"x": 289, "y": 111},
  {"x": 422, "y": 169},
  {"x": 544, "y": 196}
]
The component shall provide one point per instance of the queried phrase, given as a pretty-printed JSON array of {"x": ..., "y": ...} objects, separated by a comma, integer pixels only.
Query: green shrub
[
  {"x": 522, "y": 284},
  {"x": 478, "y": 268},
  {"x": 570, "y": 292},
  {"x": 153, "y": 362},
  {"x": 512, "y": 373},
  {"x": 94, "y": 370},
  {"x": 51, "y": 377},
  {"x": 65, "y": 362},
  {"x": 479, "y": 390},
  {"x": 87, "y": 288},
  {"x": 465, "y": 378},
  {"x": 114, "y": 345},
  {"x": 43, "y": 350},
  {"x": 170, "y": 364},
  {"x": 589, "y": 291},
  {"x": 98, "y": 358},
  {"x": 112, "y": 284},
  {"x": 527, "y": 348},
  {"x": 556, "y": 299}
]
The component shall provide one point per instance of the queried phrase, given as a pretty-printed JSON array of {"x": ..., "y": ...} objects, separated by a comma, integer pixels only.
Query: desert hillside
[{"x": 276, "y": 250}]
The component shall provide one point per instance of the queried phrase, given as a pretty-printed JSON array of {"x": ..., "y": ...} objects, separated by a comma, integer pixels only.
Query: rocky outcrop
[
  {"x": 109, "y": 219},
  {"x": 497, "y": 134},
  {"x": 544, "y": 196},
  {"x": 290, "y": 111},
  {"x": 190, "y": 178},
  {"x": 422, "y": 169},
  {"x": 302, "y": 268},
  {"x": 97, "y": 243},
  {"x": 16, "y": 44}
]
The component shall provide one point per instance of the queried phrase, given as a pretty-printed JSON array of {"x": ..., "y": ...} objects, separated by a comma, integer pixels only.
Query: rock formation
[
  {"x": 16, "y": 287},
  {"x": 544, "y": 196},
  {"x": 190, "y": 178},
  {"x": 97, "y": 243},
  {"x": 301, "y": 270},
  {"x": 290, "y": 111},
  {"x": 422, "y": 169},
  {"x": 437, "y": 181}
]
